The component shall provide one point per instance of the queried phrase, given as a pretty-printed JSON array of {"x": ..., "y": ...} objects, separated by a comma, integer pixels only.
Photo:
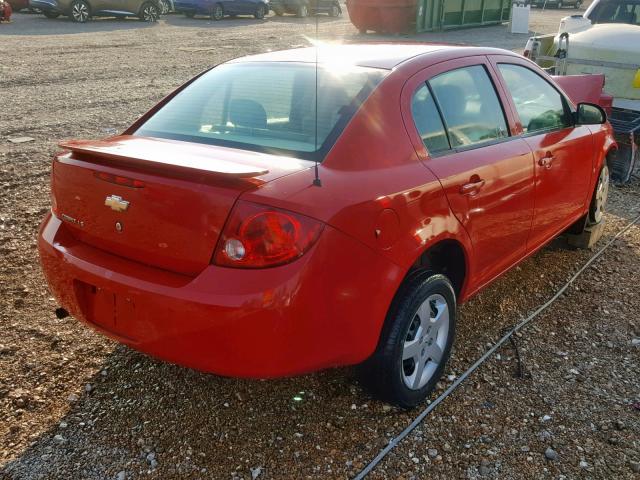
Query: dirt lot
[{"x": 75, "y": 405}]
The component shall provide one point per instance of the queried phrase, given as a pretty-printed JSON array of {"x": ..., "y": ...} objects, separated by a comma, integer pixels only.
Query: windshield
[
  {"x": 266, "y": 106},
  {"x": 616, "y": 12}
]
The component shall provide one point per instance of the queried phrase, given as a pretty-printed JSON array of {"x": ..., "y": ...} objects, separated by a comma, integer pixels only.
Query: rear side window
[
  {"x": 539, "y": 105},
  {"x": 470, "y": 107},
  {"x": 428, "y": 121}
]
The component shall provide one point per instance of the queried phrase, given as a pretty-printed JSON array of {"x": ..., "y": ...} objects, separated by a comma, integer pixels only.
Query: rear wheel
[
  {"x": 415, "y": 343},
  {"x": 216, "y": 13},
  {"x": 149, "y": 12},
  {"x": 303, "y": 11},
  {"x": 559, "y": 4},
  {"x": 578, "y": 4},
  {"x": 50, "y": 14},
  {"x": 260, "y": 12},
  {"x": 80, "y": 11},
  {"x": 334, "y": 11}
]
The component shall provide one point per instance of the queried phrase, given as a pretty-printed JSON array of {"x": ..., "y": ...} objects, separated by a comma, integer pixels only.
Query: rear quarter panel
[{"x": 374, "y": 187}]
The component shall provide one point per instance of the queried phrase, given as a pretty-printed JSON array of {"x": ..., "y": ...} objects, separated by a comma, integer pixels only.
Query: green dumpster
[{"x": 447, "y": 14}]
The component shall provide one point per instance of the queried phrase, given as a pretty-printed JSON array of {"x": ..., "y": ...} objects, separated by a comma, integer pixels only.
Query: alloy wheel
[
  {"x": 260, "y": 12},
  {"x": 425, "y": 342},
  {"x": 150, "y": 13},
  {"x": 80, "y": 12},
  {"x": 602, "y": 192}
]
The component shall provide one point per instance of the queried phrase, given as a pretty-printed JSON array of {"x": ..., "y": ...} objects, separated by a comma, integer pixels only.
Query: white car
[{"x": 600, "y": 11}]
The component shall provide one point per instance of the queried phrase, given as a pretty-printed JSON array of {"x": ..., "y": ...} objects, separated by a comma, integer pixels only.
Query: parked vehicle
[
  {"x": 83, "y": 10},
  {"x": 612, "y": 50},
  {"x": 18, "y": 5},
  {"x": 166, "y": 6},
  {"x": 331, "y": 213},
  {"x": 304, "y": 8},
  {"x": 603, "y": 11},
  {"x": 218, "y": 9},
  {"x": 554, "y": 3}
]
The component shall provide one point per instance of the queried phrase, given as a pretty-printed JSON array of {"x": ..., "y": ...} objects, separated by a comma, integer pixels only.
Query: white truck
[{"x": 590, "y": 46}]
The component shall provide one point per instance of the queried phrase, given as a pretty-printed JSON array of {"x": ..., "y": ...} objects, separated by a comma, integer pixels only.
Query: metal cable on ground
[{"x": 395, "y": 441}]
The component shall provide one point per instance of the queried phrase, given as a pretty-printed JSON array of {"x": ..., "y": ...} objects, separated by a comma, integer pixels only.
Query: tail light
[{"x": 257, "y": 236}]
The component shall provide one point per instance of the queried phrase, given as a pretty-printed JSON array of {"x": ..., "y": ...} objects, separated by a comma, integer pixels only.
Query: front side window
[
  {"x": 470, "y": 106},
  {"x": 266, "y": 106},
  {"x": 539, "y": 105},
  {"x": 428, "y": 121}
]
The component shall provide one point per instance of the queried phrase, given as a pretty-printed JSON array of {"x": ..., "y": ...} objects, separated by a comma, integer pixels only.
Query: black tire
[
  {"x": 50, "y": 14},
  {"x": 335, "y": 10},
  {"x": 149, "y": 12},
  {"x": 260, "y": 12},
  {"x": 586, "y": 232},
  {"x": 303, "y": 10},
  {"x": 386, "y": 373},
  {"x": 577, "y": 5},
  {"x": 80, "y": 11},
  {"x": 216, "y": 13}
]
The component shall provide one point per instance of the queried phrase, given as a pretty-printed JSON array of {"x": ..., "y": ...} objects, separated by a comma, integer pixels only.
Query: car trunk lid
[{"x": 159, "y": 202}]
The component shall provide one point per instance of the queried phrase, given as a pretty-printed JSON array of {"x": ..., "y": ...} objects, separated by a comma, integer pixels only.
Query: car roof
[{"x": 374, "y": 55}]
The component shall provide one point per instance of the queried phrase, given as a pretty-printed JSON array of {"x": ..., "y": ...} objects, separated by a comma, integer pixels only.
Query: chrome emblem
[
  {"x": 116, "y": 203},
  {"x": 119, "y": 227}
]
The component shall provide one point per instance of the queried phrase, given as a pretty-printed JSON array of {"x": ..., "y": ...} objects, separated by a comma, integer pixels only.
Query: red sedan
[{"x": 242, "y": 228}]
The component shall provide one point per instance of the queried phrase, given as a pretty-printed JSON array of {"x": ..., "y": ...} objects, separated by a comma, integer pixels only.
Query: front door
[
  {"x": 563, "y": 153},
  {"x": 464, "y": 139}
]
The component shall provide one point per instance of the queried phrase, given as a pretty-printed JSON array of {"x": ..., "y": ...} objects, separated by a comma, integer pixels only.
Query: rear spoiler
[{"x": 173, "y": 158}]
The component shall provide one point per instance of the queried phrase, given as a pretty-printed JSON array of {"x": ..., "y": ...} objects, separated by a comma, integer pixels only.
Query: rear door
[
  {"x": 462, "y": 133},
  {"x": 564, "y": 154}
]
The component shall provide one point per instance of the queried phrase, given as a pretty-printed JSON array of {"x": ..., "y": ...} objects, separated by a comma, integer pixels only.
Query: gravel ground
[{"x": 76, "y": 405}]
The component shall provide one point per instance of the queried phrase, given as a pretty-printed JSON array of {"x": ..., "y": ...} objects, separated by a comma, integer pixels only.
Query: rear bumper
[{"x": 325, "y": 309}]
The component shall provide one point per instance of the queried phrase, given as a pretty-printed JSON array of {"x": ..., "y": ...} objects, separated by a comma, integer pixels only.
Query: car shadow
[
  {"x": 137, "y": 405},
  {"x": 321, "y": 18},
  {"x": 200, "y": 21},
  {"x": 40, "y": 25}
]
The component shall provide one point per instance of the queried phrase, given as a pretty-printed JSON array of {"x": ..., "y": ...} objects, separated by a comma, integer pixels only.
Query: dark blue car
[{"x": 218, "y": 9}]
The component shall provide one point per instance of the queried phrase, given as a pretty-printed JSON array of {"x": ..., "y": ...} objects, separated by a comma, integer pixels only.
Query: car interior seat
[{"x": 247, "y": 113}]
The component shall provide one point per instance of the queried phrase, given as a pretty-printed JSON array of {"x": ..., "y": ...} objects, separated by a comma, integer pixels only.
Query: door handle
[{"x": 472, "y": 188}]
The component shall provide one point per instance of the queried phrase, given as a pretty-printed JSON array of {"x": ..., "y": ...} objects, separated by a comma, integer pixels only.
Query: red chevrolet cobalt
[{"x": 274, "y": 216}]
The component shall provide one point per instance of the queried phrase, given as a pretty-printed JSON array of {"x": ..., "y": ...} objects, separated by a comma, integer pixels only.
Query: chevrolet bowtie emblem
[{"x": 116, "y": 203}]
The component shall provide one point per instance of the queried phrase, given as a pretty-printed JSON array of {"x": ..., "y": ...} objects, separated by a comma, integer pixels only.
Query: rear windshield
[{"x": 268, "y": 107}]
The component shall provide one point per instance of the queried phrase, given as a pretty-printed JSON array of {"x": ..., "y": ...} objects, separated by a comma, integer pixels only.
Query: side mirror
[{"x": 590, "y": 114}]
